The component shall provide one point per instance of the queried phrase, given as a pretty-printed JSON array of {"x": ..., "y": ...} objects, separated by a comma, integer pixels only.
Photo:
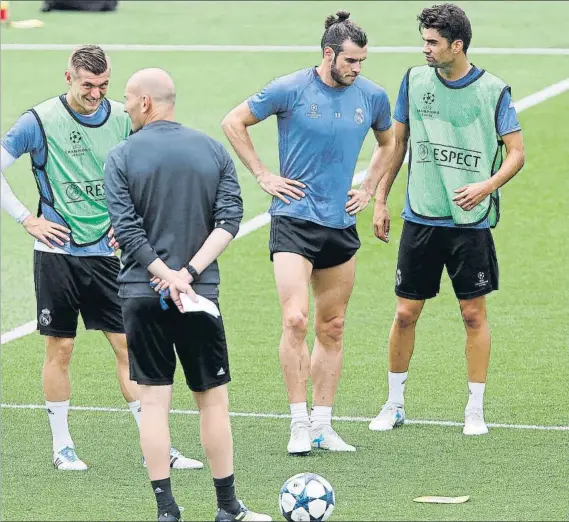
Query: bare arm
[
  {"x": 401, "y": 139},
  {"x": 380, "y": 160},
  {"x": 234, "y": 126},
  {"x": 471, "y": 195},
  {"x": 513, "y": 163},
  {"x": 377, "y": 169},
  {"x": 212, "y": 248},
  {"x": 381, "y": 217}
]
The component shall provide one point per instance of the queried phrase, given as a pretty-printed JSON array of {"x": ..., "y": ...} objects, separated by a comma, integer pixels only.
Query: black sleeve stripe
[{"x": 506, "y": 89}]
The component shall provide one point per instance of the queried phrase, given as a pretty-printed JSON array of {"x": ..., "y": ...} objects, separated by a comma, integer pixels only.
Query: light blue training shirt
[{"x": 321, "y": 130}]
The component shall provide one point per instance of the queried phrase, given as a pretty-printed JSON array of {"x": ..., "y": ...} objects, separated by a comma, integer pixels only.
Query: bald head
[
  {"x": 155, "y": 83},
  {"x": 149, "y": 96}
]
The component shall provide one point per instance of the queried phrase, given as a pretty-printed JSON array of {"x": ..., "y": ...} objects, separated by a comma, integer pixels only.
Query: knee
[
  {"x": 215, "y": 398},
  {"x": 406, "y": 317},
  {"x": 118, "y": 342},
  {"x": 59, "y": 350},
  {"x": 474, "y": 318},
  {"x": 296, "y": 323},
  {"x": 331, "y": 331}
]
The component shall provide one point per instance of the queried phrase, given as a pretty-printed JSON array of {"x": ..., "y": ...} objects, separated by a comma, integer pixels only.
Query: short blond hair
[{"x": 89, "y": 57}]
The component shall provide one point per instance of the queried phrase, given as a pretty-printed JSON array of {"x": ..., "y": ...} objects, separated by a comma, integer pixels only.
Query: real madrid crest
[
  {"x": 45, "y": 317},
  {"x": 359, "y": 116}
]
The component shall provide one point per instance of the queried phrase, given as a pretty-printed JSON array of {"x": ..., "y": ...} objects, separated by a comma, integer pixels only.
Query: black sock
[
  {"x": 225, "y": 492},
  {"x": 164, "y": 499}
]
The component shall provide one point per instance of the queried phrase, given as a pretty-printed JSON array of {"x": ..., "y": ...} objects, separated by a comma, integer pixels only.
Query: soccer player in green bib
[
  {"x": 75, "y": 269},
  {"x": 456, "y": 119}
]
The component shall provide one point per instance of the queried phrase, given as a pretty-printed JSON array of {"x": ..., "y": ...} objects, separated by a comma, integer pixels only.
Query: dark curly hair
[
  {"x": 449, "y": 20},
  {"x": 338, "y": 29}
]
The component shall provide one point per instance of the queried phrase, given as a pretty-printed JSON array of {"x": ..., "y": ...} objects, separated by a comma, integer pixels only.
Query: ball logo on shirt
[
  {"x": 313, "y": 114},
  {"x": 75, "y": 137},
  {"x": 359, "y": 116},
  {"x": 428, "y": 98},
  {"x": 73, "y": 191},
  {"x": 423, "y": 152}
]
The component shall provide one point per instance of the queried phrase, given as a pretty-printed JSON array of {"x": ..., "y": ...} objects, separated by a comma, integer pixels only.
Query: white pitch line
[
  {"x": 19, "y": 331},
  {"x": 264, "y": 219},
  {"x": 275, "y": 48},
  {"x": 286, "y": 416}
]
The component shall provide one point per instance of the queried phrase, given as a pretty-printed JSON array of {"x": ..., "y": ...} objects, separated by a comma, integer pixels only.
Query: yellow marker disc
[
  {"x": 26, "y": 24},
  {"x": 442, "y": 500}
]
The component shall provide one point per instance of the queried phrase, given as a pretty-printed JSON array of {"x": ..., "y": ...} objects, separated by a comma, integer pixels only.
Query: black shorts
[
  {"x": 152, "y": 334},
  {"x": 66, "y": 285},
  {"x": 324, "y": 247},
  {"x": 468, "y": 254}
]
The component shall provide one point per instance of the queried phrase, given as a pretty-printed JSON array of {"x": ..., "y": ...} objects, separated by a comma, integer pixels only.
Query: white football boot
[
  {"x": 66, "y": 459},
  {"x": 474, "y": 422},
  {"x": 178, "y": 461},
  {"x": 243, "y": 515},
  {"x": 391, "y": 416},
  {"x": 299, "y": 442},
  {"x": 324, "y": 437}
]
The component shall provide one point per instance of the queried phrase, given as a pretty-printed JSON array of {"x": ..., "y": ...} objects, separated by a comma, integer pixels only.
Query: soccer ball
[{"x": 306, "y": 497}]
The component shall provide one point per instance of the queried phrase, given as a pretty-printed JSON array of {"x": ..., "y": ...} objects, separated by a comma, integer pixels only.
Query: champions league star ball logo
[
  {"x": 359, "y": 116},
  {"x": 428, "y": 98},
  {"x": 73, "y": 191},
  {"x": 423, "y": 152},
  {"x": 313, "y": 111},
  {"x": 75, "y": 137}
]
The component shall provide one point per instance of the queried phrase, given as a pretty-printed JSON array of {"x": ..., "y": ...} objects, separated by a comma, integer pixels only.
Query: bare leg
[
  {"x": 402, "y": 334},
  {"x": 55, "y": 378},
  {"x": 401, "y": 346},
  {"x": 292, "y": 275},
  {"x": 215, "y": 429},
  {"x": 129, "y": 388},
  {"x": 477, "y": 350},
  {"x": 154, "y": 429},
  {"x": 478, "y": 339},
  {"x": 332, "y": 289}
]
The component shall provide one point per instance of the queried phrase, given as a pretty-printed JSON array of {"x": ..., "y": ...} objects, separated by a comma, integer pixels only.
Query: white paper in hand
[{"x": 202, "y": 305}]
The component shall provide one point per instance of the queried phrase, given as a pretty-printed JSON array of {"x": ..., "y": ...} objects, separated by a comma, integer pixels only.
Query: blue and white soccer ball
[{"x": 306, "y": 497}]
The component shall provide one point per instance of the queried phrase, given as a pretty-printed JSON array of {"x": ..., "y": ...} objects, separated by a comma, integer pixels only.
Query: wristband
[{"x": 192, "y": 271}]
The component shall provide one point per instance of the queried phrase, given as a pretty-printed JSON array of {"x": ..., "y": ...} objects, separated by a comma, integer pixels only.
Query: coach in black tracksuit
[{"x": 175, "y": 205}]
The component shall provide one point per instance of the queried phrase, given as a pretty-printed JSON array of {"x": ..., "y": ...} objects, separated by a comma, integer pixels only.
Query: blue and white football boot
[
  {"x": 66, "y": 459},
  {"x": 391, "y": 416}
]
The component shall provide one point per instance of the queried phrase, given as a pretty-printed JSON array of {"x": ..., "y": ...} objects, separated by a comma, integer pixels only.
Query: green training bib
[
  {"x": 76, "y": 154},
  {"x": 454, "y": 142}
]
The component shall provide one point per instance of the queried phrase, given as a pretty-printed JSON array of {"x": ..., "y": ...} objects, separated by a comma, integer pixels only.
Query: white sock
[
  {"x": 57, "y": 414},
  {"x": 321, "y": 416},
  {"x": 134, "y": 408},
  {"x": 475, "y": 395},
  {"x": 299, "y": 413},
  {"x": 396, "y": 387}
]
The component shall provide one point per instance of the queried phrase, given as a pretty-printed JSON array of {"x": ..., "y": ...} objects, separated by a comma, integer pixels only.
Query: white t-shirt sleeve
[{"x": 10, "y": 203}]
